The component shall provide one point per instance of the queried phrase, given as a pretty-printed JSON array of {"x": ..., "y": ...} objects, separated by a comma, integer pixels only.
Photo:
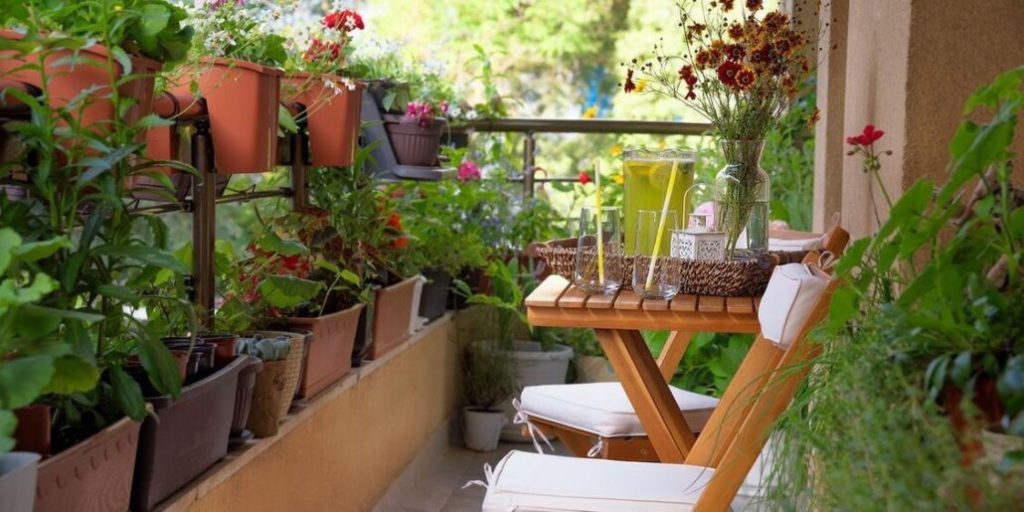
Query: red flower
[
  {"x": 400, "y": 243},
  {"x": 745, "y": 78},
  {"x": 629, "y": 86},
  {"x": 584, "y": 178},
  {"x": 290, "y": 262},
  {"x": 347, "y": 20},
  {"x": 868, "y": 137},
  {"x": 735, "y": 52},
  {"x": 395, "y": 221},
  {"x": 319, "y": 48},
  {"x": 755, "y": 5},
  {"x": 727, "y": 72}
]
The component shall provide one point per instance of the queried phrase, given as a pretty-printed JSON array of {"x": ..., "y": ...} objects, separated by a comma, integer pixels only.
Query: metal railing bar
[
  {"x": 581, "y": 126},
  {"x": 249, "y": 196}
]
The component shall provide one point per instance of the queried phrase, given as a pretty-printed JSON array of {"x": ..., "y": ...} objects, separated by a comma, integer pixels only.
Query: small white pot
[
  {"x": 594, "y": 369},
  {"x": 483, "y": 429},
  {"x": 18, "y": 472}
]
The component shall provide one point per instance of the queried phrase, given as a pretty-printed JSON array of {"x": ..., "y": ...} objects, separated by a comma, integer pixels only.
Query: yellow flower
[
  {"x": 590, "y": 113},
  {"x": 641, "y": 84},
  {"x": 616, "y": 150},
  {"x": 118, "y": 8},
  {"x": 619, "y": 179}
]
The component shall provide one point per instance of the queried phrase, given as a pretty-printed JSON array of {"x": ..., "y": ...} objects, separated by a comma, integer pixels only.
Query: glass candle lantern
[{"x": 698, "y": 242}]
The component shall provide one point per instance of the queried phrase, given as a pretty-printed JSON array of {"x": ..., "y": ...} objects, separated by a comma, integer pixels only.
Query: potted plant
[
  {"x": 488, "y": 380},
  {"x": 234, "y": 66},
  {"x": 395, "y": 305},
  {"x": 536, "y": 362},
  {"x": 590, "y": 362},
  {"x": 333, "y": 104},
  {"x": 281, "y": 354},
  {"x": 416, "y": 136}
]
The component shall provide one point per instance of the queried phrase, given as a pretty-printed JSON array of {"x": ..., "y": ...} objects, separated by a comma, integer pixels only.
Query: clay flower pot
[
  {"x": 414, "y": 144},
  {"x": 391, "y": 315},
  {"x": 33, "y": 431},
  {"x": 332, "y": 117},
  {"x": 242, "y": 99},
  {"x": 225, "y": 343},
  {"x": 329, "y": 354},
  {"x": 69, "y": 77},
  {"x": 92, "y": 476}
]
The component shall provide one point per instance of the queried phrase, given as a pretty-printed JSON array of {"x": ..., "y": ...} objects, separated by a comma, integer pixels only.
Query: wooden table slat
[
  {"x": 739, "y": 305},
  {"x": 602, "y": 301},
  {"x": 573, "y": 298},
  {"x": 711, "y": 304},
  {"x": 546, "y": 295},
  {"x": 684, "y": 303},
  {"x": 655, "y": 305},
  {"x": 628, "y": 299},
  {"x": 757, "y": 304}
]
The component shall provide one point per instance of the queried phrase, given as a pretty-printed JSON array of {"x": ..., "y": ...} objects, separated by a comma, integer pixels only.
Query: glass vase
[
  {"x": 599, "y": 273},
  {"x": 742, "y": 192}
]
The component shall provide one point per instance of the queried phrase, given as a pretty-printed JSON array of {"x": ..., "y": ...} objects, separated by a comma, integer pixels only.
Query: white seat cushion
[
  {"x": 603, "y": 409},
  {"x": 529, "y": 482}
]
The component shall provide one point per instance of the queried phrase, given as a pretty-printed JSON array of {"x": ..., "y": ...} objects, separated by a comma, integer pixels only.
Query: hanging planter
[
  {"x": 333, "y": 116},
  {"x": 391, "y": 316},
  {"x": 72, "y": 72},
  {"x": 95, "y": 475},
  {"x": 415, "y": 142},
  {"x": 329, "y": 355},
  {"x": 242, "y": 99}
]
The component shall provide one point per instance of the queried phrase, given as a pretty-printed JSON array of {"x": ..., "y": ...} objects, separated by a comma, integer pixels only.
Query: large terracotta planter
[
  {"x": 391, "y": 316},
  {"x": 332, "y": 117},
  {"x": 92, "y": 476},
  {"x": 242, "y": 99},
  {"x": 329, "y": 354},
  {"x": 188, "y": 436},
  {"x": 18, "y": 475},
  {"x": 67, "y": 80},
  {"x": 414, "y": 144}
]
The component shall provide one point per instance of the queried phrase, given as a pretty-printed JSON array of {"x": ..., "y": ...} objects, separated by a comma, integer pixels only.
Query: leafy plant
[
  {"x": 489, "y": 377},
  {"x": 236, "y": 30}
]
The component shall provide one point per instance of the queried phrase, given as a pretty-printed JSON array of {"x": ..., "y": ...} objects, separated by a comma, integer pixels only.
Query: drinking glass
[
  {"x": 660, "y": 281},
  {"x": 601, "y": 275}
]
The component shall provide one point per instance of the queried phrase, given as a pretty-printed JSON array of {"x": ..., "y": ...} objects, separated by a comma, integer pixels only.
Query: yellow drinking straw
[
  {"x": 661, "y": 224},
  {"x": 600, "y": 232}
]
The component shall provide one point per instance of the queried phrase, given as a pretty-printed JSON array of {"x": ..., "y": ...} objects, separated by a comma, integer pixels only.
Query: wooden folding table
[{"x": 618, "y": 320}]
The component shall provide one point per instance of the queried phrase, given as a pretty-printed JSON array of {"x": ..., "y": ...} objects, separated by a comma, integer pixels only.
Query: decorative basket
[{"x": 746, "y": 278}]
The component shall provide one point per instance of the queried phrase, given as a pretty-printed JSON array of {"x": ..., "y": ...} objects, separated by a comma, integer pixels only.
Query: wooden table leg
[
  {"x": 672, "y": 353},
  {"x": 649, "y": 393}
]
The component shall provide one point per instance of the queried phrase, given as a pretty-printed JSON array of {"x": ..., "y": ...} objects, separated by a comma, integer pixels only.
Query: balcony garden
[{"x": 288, "y": 254}]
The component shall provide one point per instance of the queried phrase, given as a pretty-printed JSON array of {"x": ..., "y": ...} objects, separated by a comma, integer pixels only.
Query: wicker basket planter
[{"x": 329, "y": 356}]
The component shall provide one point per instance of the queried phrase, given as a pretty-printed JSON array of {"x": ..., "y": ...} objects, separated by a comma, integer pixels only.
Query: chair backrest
[{"x": 761, "y": 390}]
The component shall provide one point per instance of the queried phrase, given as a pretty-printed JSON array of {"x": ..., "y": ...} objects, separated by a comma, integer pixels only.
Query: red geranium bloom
[
  {"x": 290, "y": 262},
  {"x": 584, "y": 178},
  {"x": 319, "y": 48},
  {"x": 347, "y": 20},
  {"x": 400, "y": 243},
  {"x": 866, "y": 138},
  {"x": 395, "y": 221}
]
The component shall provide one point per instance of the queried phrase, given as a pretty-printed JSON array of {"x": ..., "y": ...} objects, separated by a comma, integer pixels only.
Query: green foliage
[
  {"x": 236, "y": 30},
  {"x": 932, "y": 303},
  {"x": 506, "y": 297},
  {"x": 489, "y": 377}
]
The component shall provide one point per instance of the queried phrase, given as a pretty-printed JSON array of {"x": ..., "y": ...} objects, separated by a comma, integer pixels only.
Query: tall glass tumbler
[
  {"x": 655, "y": 274},
  {"x": 599, "y": 272}
]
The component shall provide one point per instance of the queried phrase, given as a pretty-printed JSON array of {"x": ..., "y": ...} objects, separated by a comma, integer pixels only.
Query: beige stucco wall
[
  {"x": 906, "y": 66},
  {"x": 343, "y": 457}
]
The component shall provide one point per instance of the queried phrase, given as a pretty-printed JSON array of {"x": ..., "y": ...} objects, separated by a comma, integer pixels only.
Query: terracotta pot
[
  {"x": 270, "y": 392},
  {"x": 391, "y": 316},
  {"x": 92, "y": 476},
  {"x": 68, "y": 80},
  {"x": 434, "y": 299},
  {"x": 329, "y": 355},
  {"x": 414, "y": 144},
  {"x": 33, "y": 431},
  {"x": 242, "y": 99},
  {"x": 188, "y": 436},
  {"x": 18, "y": 475},
  {"x": 332, "y": 117},
  {"x": 181, "y": 358},
  {"x": 225, "y": 343},
  {"x": 243, "y": 404}
]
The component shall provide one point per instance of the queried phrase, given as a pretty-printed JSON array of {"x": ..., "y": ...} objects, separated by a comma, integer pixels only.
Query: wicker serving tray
[{"x": 746, "y": 278}]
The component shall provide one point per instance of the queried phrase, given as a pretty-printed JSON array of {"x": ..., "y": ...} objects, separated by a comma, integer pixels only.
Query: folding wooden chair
[
  {"x": 597, "y": 420},
  {"x": 714, "y": 469}
]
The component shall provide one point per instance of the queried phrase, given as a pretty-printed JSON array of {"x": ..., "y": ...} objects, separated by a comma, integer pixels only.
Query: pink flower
[{"x": 469, "y": 171}]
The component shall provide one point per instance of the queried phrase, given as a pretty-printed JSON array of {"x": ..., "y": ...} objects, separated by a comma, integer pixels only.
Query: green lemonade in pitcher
[{"x": 647, "y": 175}]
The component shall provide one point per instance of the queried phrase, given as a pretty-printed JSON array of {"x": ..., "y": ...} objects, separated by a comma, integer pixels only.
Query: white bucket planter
[
  {"x": 18, "y": 472},
  {"x": 594, "y": 369},
  {"x": 483, "y": 429},
  {"x": 534, "y": 367}
]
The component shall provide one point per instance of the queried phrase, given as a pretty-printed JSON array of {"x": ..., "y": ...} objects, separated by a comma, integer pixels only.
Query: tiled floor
[{"x": 441, "y": 490}]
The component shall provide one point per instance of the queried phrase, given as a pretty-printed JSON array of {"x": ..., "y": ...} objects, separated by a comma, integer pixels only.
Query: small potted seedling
[{"x": 489, "y": 380}]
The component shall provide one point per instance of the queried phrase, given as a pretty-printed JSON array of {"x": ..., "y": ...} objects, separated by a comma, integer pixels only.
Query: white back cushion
[{"x": 792, "y": 293}]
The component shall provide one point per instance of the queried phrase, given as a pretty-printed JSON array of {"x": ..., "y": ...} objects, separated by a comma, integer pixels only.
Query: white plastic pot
[
  {"x": 483, "y": 429},
  {"x": 18, "y": 472},
  {"x": 594, "y": 369},
  {"x": 534, "y": 367}
]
